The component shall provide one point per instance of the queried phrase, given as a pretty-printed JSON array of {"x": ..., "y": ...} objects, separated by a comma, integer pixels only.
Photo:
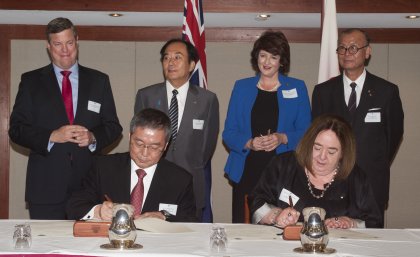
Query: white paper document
[
  {"x": 160, "y": 226},
  {"x": 253, "y": 232},
  {"x": 52, "y": 228},
  {"x": 349, "y": 234}
]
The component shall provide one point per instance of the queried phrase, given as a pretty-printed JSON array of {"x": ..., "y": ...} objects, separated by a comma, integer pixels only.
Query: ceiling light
[
  {"x": 262, "y": 17},
  {"x": 115, "y": 14},
  {"x": 412, "y": 17}
]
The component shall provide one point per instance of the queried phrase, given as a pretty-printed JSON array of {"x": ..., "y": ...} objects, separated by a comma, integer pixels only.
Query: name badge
[
  {"x": 171, "y": 208},
  {"x": 292, "y": 93},
  {"x": 198, "y": 124},
  {"x": 373, "y": 117},
  {"x": 284, "y": 196},
  {"x": 94, "y": 106}
]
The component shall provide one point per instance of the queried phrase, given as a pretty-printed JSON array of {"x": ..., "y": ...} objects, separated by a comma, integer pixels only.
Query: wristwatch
[
  {"x": 166, "y": 214},
  {"x": 93, "y": 139}
]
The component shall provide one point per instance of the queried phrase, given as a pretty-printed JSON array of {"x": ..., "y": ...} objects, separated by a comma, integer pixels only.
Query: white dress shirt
[
  {"x": 181, "y": 97},
  {"x": 347, "y": 88},
  {"x": 147, "y": 180}
]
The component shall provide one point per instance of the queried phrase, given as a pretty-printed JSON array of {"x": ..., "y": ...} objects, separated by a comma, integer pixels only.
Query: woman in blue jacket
[{"x": 267, "y": 115}]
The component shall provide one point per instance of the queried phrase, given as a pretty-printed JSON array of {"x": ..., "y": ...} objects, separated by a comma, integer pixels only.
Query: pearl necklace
[
  {"x": 269, "y": 90},
  {"x": 324, "y": 190}
]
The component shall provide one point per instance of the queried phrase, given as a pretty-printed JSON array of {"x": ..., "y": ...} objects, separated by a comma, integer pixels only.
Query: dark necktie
[
  {"x": 352, "y": 100},
  {"x": 173, "y": 115},
  {"x": 66, "y": 94},
  {"x": 138, "y": 193}
]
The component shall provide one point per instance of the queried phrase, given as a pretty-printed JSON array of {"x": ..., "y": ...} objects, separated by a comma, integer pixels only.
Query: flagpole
[
  {"x": 322, "y": 15},
  {"x": 193, "y": 31},
  {"x": 328, "y": 63}
]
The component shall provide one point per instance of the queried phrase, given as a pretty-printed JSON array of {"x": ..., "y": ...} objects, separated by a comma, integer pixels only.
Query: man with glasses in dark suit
[
  {"x": 370, "y": 104},
  {"x": 154, "y": 186}
]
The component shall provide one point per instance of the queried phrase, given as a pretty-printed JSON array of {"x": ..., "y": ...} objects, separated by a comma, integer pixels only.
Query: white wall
[{"x": 133, "y": 65}]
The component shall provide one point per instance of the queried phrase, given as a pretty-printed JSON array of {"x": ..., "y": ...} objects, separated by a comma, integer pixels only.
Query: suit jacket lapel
[
  {"x": 154, "y": 190},
  {"x": 339, "y": 99},
  {"x": 126, "y": 183},
  {"x": 365, "y": 99},
  {"x": 188, "y": 115},
  {"x": 83, "y": 92},
  {"x": 163, "y": 98},
  {"x": 49, "y": 80},
  {"x": 156, "y": 98}
]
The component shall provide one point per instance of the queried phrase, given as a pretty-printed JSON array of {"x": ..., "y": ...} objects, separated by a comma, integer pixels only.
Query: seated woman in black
[{"x": 321, "y": 173}]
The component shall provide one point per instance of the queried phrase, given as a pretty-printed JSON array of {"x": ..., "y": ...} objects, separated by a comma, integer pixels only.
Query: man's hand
[
  {"x": 72, "y": 133},
  {"x": 104, "y": 211}
]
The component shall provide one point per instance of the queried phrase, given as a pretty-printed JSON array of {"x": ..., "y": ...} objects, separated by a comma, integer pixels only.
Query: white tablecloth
[{"x": 53, "y": 237}]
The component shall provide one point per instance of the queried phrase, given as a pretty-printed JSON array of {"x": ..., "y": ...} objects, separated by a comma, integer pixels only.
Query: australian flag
[{"x": 193, "y": 31}]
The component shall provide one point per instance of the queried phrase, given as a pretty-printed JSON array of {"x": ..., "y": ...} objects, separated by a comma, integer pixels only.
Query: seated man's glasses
[
  {"x": 153, "y": 149},
  {"x": 353, "y": 49}
]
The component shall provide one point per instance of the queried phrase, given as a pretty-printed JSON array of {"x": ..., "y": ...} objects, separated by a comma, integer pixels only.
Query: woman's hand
[
  {"x": 266, "y": 143},
  {"x": 255, "y": 144},
  {"x": 272, "y": 141},
  {"x": 340, "y": 222},
  {"x": 288, "y": 216}
]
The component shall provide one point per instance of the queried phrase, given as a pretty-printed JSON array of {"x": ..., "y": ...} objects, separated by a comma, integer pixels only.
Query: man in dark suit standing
[
  {"x": 194, "y": 113},
  {"x": 370, "y": 104},
  {"x": 64, "y": 113},
  {"x": 165, "y": 187}
]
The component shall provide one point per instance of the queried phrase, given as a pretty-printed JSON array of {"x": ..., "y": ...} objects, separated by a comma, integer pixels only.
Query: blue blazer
[{"x": 294, "y": 119}]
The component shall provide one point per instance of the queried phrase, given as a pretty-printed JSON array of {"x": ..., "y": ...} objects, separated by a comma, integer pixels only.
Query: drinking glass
[
  {"x": 22, "y": 238},
  {"x": 218, "y": 239}
]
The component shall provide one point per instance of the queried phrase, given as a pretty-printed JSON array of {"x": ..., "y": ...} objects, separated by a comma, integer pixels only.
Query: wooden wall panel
[
  {"x": 298, "y": 6},
  {"x": 4, "y": 123}
]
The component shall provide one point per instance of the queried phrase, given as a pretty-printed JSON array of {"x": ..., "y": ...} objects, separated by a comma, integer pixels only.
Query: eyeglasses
[
  {"x": 353, "y": 49},
  {"x": 153, "y": 149}
]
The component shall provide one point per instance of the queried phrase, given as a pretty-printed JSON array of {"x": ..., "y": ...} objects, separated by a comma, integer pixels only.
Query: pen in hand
[
  {"x": 290, "y": 201},
  {"x": 290, "y": 204},
  {"x": 108, "y": 198}
]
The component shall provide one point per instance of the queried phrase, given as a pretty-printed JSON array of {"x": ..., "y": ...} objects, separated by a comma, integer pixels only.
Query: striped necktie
[
  {"x": 173, "y": 115},
  {"x": 352, "y": 100}
]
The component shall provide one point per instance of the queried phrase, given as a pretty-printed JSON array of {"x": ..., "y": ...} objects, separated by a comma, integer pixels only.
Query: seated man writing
[{"x": 154, "y": 186}]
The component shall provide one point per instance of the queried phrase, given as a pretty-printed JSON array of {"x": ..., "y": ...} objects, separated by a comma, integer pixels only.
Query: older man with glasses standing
[{"x": 370, "y": 104}]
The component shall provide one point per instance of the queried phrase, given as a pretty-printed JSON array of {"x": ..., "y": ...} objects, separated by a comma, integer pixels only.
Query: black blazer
[
  {"x": 38, "y": 110},
  {"x": 377, "y": 142},
  {"x": 352, "y": 197},
  {"x": 110, "y": 175}
]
